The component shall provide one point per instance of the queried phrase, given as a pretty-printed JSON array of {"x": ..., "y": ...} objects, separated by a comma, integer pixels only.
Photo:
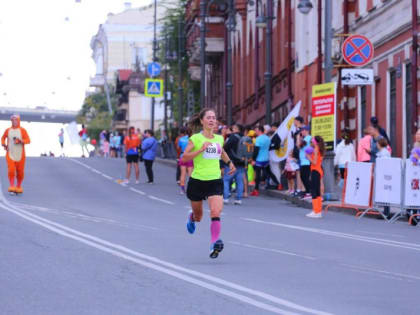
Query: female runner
[{"x": 206, "y": 149}]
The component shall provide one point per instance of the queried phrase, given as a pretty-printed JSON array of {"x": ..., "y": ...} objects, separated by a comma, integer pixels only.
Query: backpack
[{"x": 245, "y": 148}]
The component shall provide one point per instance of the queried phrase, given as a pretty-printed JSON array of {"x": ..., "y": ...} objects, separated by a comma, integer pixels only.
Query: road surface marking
[
  {"x": 85, "y": 217},
  {"x": 107, "y": 177},
  {"x": 138, "y": 191},
  {"x": 161, "y": 200},
  {"x": 273, "y": 250},
  {"x": 389, "y": 273},
  {"x": 385, "y": 242},
  {"x": 152, "y": 263},
  {"x": 378, "y": 233},
  {"x": 124, "y": 185}
]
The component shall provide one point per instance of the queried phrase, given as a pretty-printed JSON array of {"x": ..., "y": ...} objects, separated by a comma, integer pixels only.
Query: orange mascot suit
[{"x": 16, "y": 137}]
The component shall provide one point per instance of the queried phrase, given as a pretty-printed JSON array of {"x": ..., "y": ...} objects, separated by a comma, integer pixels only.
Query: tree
[
  {"x": 169, "y": 37},
  {"x": 94, "y": 113}
]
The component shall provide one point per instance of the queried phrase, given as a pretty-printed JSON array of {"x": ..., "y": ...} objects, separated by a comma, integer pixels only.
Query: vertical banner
[
  {"x": 412, "y": 185},
  {"x": 388, "y": 183},
  {"x": 358, "y": 184},
  {"x": 323, "y": 113}
]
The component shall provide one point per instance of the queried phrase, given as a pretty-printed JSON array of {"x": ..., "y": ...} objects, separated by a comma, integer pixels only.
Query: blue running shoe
[
  {"x": 216, "y": 248},
  {"x": 190, "y": 223}
]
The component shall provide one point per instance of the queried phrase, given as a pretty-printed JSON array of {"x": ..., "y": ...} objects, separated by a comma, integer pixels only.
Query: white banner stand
[
  {"x": 387, "y": 189},
  {"x": 357, "y": 190},
  {"x": 411, "y": 188}
]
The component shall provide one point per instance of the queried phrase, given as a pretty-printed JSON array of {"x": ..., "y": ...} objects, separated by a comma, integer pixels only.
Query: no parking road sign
[
  {"x": 153, "y": 88},
  {"x": 357, "y": 50}
]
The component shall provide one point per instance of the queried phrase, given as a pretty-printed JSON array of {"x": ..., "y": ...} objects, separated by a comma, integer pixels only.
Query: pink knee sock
[{"x": 215, "y": 228}]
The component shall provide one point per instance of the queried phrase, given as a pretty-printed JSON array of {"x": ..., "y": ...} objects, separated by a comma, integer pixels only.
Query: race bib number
[{"x": 213, "y": 152}]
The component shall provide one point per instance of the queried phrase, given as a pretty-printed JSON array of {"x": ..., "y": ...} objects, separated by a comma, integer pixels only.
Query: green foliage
[
  {"x": 95, "y": 115},
  {"x": 173, "y": 35}
]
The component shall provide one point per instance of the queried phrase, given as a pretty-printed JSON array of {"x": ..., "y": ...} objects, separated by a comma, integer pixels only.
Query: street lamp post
[
  {"x": 180, "y": 90},
  {"x": 203, "y": 6},
  {"x": 165, "y": 98},
  {"x": 152, "y": 120},
  {"x": 230, "y": 24},
  {"x": 304, "y": 7},
  {"x": 267, "y": 23}
]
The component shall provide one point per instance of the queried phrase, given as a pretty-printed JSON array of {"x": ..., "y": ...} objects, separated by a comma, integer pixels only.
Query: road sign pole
[
  {"x": 152, "y": 120},
  {"x": 329, "y": 180}
]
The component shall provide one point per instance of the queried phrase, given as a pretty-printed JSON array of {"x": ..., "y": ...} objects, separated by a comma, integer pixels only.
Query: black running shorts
[
  {"x": 199, "y": 190},
  {"x": 132, "y": 158}
]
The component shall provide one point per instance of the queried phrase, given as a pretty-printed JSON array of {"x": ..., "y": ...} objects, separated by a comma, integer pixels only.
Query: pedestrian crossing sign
[{"x": 153, "y": 88}]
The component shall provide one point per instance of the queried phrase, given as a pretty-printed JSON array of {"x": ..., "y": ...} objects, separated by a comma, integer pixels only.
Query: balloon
[
  {"x": 309, "y": 150},
  {"x": 93, "y": 141}
]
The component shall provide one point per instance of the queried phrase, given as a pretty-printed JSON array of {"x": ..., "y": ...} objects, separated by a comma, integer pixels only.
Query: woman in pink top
[{"x": 364, "y": 144}]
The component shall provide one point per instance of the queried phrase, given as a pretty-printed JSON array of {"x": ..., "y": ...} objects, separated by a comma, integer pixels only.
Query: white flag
[{"x": 285, "y": 131}]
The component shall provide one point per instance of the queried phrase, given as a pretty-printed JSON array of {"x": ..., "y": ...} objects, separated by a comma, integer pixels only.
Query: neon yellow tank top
[{"x": 206, "y": 164}]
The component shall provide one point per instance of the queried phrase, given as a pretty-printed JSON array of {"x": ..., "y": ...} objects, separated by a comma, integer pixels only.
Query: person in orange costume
[{"x": 16, "y": 137}]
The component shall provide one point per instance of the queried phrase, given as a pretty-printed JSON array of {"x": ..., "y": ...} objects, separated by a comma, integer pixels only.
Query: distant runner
[
  {"x": 131, "y": 144},
  {"x": 61, "y": 140},
  {"x": 16, "y": 137},
  {"x": 186, "y": 167},
  {"x": 206, "y": 150}
]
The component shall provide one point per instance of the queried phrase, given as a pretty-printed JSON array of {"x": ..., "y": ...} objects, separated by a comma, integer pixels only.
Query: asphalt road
[{"x": 78, "y": 242}]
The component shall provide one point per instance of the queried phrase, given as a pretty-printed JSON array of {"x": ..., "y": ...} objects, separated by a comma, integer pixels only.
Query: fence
[{"x": 391, "y": 182}]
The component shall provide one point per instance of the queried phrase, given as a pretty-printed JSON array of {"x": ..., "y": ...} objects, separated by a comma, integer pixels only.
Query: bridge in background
[{"x": 38, "y": 114}]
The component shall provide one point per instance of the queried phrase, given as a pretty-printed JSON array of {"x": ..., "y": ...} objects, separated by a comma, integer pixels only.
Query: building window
[
  {"x": 408, "y": 106},
  {"x": 393, "y": 109},
  {"x": 363, "y": 108}
]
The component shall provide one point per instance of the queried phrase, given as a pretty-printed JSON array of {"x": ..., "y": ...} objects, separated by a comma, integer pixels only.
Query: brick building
[{"x": 387, "y": 23}]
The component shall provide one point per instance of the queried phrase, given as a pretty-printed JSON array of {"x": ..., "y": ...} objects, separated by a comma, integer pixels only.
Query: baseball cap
[{"x": 251, "y": 133}]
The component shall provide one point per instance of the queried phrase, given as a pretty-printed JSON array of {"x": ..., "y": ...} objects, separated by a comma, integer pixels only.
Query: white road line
[
  {"x": 377, "y": 233},
  {"x": 161, "y": 200},
  {"x": 107, "y": 177},
  {"x": 379, "y": 241},
  {"x": 138, "y": 191},
  {"x": 273, "y": 250},
  {"x": 75, "y": 215},
  {"x": 124, "y": 185},
  {"x": 389, "y": 273},
  {"x": 123, "y": 252}
]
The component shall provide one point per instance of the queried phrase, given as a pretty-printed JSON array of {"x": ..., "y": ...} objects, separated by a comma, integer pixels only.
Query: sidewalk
[{"x": 302, "y": 203}]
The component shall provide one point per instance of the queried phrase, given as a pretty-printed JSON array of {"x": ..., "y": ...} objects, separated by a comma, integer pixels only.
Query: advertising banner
[
  {"x": 323, "y": 113},
  {"x": 412, "y": 185},
  {"x": 358, "y": 184},
  {"x": 388, "y": 183}
]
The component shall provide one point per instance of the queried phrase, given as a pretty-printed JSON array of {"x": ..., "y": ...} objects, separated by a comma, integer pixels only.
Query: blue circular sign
[
  {"x": 153, "y": 69},
  {"x": 357, "y": 50}
]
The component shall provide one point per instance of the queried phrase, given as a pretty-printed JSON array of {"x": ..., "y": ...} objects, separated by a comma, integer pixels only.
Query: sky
[{"x": 45, "y": 54}]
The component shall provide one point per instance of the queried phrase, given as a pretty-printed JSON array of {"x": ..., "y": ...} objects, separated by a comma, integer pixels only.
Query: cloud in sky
[{"x": 45, "y": 54}]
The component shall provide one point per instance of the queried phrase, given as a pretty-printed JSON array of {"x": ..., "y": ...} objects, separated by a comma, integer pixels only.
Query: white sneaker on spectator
[
  {"x": 125, "y": 181},
  {"x": 314, "y": 215},
  {"x": 226, "y": 201},
  {"x": 137, "y": 182},
  {"x": 237, "y": 202}
]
